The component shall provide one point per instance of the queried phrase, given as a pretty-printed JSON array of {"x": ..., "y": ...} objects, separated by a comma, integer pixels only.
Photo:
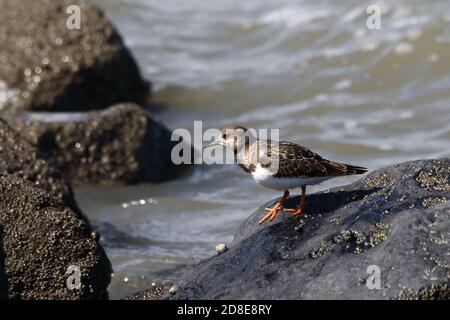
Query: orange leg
[
  {"x": 299, "y": 210},
  {"x": 273, "y": 212}
]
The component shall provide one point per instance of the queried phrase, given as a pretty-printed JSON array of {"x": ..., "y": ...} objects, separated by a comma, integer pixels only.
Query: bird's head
[{"x": 233, "y": 137}]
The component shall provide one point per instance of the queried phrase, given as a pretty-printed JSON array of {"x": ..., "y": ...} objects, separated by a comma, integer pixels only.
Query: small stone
[
  {"x": 173, "y": 290},
  {"x": 221, "y": 248}
]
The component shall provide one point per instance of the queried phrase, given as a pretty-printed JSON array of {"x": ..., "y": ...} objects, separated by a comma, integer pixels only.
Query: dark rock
[
  {"x": 154, "y": 293},
  {"x": 41, "y": 239},
  {"x": 44, "y": 65},
  {"x": 396, "y": 218},
  {"x": 3, "y": 282},
  {"x": 120, "y": 145},
  {"x": 42, "y": 230},
  {"x": 19, "y": 157}
]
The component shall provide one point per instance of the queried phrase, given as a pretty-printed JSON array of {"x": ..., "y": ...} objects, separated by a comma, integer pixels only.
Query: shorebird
[{"x": 280, "y": 165}]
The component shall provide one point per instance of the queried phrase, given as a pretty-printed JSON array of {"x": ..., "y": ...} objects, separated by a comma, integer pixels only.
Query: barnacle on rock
[
  {"x": 380, "y": 180},
  {"x": 433, "y": 201},
  {"x": 434, "y": 292},
  {"x": 436, "y": 179}
]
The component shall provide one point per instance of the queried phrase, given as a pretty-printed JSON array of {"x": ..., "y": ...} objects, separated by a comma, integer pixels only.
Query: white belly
[{"x": 265, "y": 177}]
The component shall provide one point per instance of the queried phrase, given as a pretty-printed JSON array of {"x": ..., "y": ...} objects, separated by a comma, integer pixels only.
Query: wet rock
[
  {"x": 44, "y": 65},
  {"x": 41, "y": 239},
  {"x": 20, "y": 158},
  {"x": 120, "y": 145},
  {"x": 383, "y": 221}
]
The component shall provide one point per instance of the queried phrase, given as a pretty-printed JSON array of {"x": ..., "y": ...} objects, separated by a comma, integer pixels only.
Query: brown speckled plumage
[
  {"x": 280, "y": 165},
  {"x": 294, "y": 161}
]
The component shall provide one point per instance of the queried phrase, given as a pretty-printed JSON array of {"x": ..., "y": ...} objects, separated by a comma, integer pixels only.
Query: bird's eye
[{"x": 224, "y": 136}]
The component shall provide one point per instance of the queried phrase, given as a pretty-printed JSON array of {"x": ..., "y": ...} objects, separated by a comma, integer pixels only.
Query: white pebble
[
  {"x": 221, "y": 248},
  {"x": 173, "y": 289}
]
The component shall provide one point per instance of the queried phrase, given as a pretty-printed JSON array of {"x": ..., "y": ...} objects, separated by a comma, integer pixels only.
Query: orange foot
[
  {"x": 299, "y": 210},
  {"x": 272, "y": 213},
  {"x": 295, "y": 212}
]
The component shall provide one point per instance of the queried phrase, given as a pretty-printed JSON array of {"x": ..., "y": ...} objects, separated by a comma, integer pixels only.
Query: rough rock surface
[
  {"x": 20, "y": 158},
  {"x": 119, "y": 145},
  {"x": 3, "y": 282},
  {"x": 154, "y": 293},
  {"x": 397, "y": 218},
  {"x": 44, "y": 65},
  {"x": 41, "y": 239}
]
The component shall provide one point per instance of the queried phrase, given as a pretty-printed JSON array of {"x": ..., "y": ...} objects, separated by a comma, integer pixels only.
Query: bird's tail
[{"x": 355, "y": 169}]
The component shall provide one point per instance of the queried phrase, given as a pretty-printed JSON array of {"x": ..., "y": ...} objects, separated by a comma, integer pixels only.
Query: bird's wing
[{"x": 298, "y": 161}]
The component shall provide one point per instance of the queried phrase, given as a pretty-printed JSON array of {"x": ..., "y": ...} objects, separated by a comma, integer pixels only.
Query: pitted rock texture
[
  {"x": 21, "y": 158},
  {"x": 3, "y": 281},
  {"x": 154, "y": 293},
  {"x": 40, "y": 240},
  {"x": 119, "y": 145},
  {"x": 383, "y": 221},
  {"x": 44, "y": 65}
]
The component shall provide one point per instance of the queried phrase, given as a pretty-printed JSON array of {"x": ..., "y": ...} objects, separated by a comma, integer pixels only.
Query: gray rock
[
  {"x": 41, "y": 239},
  {"x": 44, "y": 65},
  {"x": 396, "y": 218},
  {"x": 120, "y": 145}
]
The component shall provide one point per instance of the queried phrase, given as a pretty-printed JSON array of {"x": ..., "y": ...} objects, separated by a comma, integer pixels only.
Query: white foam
[{"x": 294, "y": 16}]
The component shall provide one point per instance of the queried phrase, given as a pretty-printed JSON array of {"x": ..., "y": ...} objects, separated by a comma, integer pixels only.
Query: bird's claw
[
  {"x": 295, "y": 212},
  {"x": 271, "y": 214}
]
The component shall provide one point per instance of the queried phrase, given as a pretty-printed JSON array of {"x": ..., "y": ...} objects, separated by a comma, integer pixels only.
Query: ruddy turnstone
[{"x": 280, "y": 165}]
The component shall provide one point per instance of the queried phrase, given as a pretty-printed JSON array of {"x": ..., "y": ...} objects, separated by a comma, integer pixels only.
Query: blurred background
[{"x": 310, "y": 68}]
